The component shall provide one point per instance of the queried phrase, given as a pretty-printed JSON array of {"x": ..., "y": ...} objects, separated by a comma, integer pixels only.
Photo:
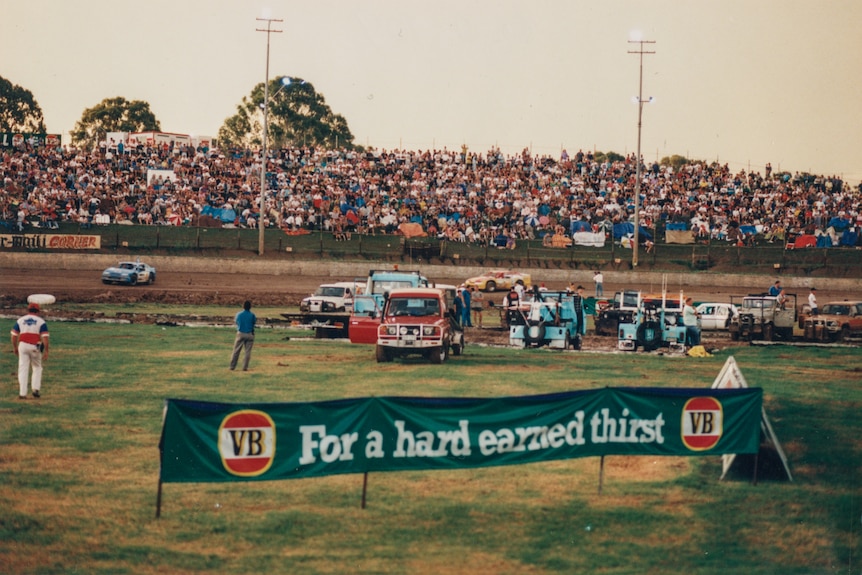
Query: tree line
[{"x": 297, "y": 115}]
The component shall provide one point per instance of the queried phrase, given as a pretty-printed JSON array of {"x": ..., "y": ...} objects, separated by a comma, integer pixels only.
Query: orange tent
[{"x": 409, "y": 230}]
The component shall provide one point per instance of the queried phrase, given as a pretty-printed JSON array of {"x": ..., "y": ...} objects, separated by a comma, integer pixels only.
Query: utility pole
[
  {"x": 260, "y": 220},
  {"x": 640, "y": 101}
]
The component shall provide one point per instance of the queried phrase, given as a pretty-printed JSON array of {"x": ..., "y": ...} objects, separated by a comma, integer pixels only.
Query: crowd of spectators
[{"x": 456, "y": 195}]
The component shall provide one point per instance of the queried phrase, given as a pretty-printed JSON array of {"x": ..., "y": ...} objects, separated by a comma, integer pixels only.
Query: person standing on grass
[
  {"x": 478, "y": 304},
  {"x": 245, "y": 322},
  {"x": 30, "y": 344},
  {"x": 689, "y": 320},
  {"x": 466, "y": 307}
]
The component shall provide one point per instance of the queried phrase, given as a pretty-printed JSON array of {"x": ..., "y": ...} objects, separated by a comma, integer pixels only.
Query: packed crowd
[{"x": 460, "y": 196}]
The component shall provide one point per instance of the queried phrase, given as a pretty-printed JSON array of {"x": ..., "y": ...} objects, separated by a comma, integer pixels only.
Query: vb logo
[
  {"x": 701, "y": 423},
  {"x": 246, "y": 442}
]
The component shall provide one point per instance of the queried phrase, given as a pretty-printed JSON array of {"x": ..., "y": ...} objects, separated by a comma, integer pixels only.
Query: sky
[{"x": 743, "y": 82}]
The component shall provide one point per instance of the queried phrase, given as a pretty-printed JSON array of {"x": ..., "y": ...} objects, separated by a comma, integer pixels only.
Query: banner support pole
[
  {"x": 756, "y": 458},
  {"x": 159, "y": 500},
  {"x": 364, "y": 488},
  {"x": 601, "y": 473}
]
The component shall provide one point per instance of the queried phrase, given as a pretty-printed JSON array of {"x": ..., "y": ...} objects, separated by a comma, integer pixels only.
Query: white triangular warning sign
[{"x": 730, "y": 377}]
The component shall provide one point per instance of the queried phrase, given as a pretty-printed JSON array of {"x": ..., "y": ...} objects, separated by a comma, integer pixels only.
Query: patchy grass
[{"x": 79, "y": 469}]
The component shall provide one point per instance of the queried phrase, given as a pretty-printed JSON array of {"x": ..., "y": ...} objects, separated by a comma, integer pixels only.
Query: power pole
[
  {"x": 260, "y": 220},
  {"x": 640, "y": 101}
]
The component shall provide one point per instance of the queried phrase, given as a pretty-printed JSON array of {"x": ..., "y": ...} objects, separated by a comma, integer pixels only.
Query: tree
[
  {"x": 608, "y": 157},
  {"x": 297, "y": 115},
  {"x": 113, "y": 115},
  {"x": 19, "y": 111},
  {"x": 676, "y": 161}
]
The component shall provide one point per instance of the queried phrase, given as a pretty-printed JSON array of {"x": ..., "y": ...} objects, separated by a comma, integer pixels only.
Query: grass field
[{"x": 79, "y": 468}]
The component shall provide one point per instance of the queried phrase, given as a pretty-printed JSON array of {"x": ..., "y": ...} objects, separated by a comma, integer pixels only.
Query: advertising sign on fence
[
  {"x": 18, "y": 139},
  {"x": 210, "y": 442},
  {"x": 50, "y": 241}
]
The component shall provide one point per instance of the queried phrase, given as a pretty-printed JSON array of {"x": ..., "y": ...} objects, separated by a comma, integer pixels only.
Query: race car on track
[
  {"x": 498, "y": 279},
  {"x": 130, "y": 273}
]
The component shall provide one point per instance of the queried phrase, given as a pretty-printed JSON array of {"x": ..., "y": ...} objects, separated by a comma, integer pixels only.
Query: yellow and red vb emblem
[
  {"x": 246, "y": 442},
  {"x": 702, "y": 423}
]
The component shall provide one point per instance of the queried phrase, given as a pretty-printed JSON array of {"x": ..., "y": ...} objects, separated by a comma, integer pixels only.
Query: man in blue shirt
[
  {"x": 245, "y": 321},
  {"x": 775, "y": 289}
]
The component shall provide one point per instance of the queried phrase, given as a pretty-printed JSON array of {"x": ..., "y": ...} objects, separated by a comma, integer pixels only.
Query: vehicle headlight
[{"x": 430, "y": 330}]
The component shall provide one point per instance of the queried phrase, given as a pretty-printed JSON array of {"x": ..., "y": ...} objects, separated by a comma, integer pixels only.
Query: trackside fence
[{"x": 771, "y": 258}]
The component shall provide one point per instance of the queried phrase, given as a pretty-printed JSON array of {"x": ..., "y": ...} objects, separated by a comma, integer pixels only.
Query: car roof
[{"x": 416, "y": 292}]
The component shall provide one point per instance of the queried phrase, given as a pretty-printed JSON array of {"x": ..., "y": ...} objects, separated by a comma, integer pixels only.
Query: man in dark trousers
[{"x": 245, "y": 322}]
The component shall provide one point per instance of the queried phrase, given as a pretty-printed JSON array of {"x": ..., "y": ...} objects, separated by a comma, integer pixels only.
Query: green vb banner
[{"x": 203, "y": 442}]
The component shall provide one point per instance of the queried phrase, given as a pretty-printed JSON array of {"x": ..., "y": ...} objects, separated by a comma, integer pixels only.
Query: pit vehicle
[
  {"x": 328, "y": 309},
  {"x": 368, "y": 304},
  {"x": 609, "y": 314},
  {"x": 837, "y": 321},
  {"x": 416, "y": 321},
  {"x": 334, "y": 297},
  {"x": 555, "y": 319},
  {"x": 656, "y": 322},
  {"x": 763, "y": 316}
]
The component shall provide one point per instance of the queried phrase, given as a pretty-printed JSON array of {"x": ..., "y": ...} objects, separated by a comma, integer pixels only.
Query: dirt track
[{"x": 232, "y": 289}]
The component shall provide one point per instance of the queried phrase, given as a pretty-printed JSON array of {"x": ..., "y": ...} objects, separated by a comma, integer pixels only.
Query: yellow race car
[{"x": 498, "y": 280}]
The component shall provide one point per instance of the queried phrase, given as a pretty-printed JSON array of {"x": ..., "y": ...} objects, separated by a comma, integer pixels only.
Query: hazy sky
[{"x": 742, "y": 81}]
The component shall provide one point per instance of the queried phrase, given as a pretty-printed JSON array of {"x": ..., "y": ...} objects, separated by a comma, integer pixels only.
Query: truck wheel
[
  {"x": 439, "y": 354},
  {"x": 649, "y": 335},
  {"x": 458, "y": 348},
  {"x": 567, "y": 341},
  {"x": 845, "y": 333},
  {"x": 767, "y": 332},
  {"x": 383, "y": 354},
  {"x": 734, "y": 336},
  {"x": 534, "y": 333},
  {"x": 577, "y": 343}
]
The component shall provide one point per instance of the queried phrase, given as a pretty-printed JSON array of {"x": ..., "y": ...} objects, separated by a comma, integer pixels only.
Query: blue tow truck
[
  {"x": 656, "y": 321},
  {"x": 556, "y": 319}
]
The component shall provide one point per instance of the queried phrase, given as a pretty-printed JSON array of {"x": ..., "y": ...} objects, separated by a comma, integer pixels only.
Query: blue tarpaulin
[
  {"x": 849, "y": 238},
  {"x": 226, "y": 215},
  {"x": 839, "y": 224},
  {"x": 583, "y": 226},
  {"x": 627, "y": 228}
]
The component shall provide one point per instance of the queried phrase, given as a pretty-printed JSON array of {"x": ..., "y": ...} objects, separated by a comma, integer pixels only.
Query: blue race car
[{"x": 130, "y": 273}]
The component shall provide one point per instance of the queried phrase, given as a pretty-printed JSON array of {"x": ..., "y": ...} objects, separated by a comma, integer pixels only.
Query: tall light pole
[
  {"x": 260, "y": 219},
  {"x": 640, "y": 101}
]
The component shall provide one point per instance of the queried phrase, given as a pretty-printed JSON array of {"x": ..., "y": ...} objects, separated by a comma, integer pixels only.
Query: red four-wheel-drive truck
[{"x": 418, "y": 321}]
